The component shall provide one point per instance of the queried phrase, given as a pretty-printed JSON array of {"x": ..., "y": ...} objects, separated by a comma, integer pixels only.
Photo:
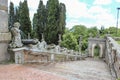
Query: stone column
[{"x": 5, "y": 35}]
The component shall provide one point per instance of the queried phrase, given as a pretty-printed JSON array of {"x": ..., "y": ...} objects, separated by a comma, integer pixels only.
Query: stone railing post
[{"x": 52, "y": 57}]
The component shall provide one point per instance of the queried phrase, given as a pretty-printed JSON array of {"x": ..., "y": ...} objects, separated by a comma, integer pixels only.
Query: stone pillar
[
  {"x": 52, "y": 57},
  {"x": 5, "y": 35}
]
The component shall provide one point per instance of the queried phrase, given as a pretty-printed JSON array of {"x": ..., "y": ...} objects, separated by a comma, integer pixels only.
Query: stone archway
[
  {"x": 92, "y": 42},
  {"x": 96, "y": 50}
]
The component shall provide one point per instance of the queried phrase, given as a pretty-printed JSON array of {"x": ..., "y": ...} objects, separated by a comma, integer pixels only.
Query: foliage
[
  {"x": 51, "y": 34},
  {"x": 80, "y": 30},
  {"x": 40, "y": 20},
  {"x": 93, "y": 31},
  {"x": 62, "y": 18},
  {"x": 11, "y": 14},
  {"x": 118, "y": 42},
  {"x": 96, "y": 50},
  {"x": 16, "y": 14},
  {"x": 34, "y": 31},
  {"x": 69, "y": 41},
  {"x": 24, "y": 18},
  {"x": 49, "y": 20}
]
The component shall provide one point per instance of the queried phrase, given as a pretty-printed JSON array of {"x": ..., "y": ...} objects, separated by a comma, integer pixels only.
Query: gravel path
[{"x": 89, "y": 69}]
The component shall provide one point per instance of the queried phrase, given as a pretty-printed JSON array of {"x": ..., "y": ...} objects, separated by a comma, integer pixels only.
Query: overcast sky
[{"x": 85, "y": 12}]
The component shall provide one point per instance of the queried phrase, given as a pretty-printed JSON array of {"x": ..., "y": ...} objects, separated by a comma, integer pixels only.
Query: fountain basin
[{"x": 29, "y": 41}]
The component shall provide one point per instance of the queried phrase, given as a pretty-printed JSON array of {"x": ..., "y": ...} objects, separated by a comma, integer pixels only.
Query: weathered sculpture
[{"x": 16, "y": 41}]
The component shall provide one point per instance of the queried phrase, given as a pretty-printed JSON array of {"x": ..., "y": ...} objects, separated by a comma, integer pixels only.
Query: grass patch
[{"x": 118, "y": 42}]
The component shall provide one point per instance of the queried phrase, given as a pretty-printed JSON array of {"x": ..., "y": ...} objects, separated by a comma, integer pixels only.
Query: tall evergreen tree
[
  {"x": 24, "y": 17},
  {"x": 35, "y": 29},
  {"x": 62, "y": 18},
  {"x": 16, "y": 15},
  {"x": 51, "y": 31},
  {"x": 11, "y": 14},
  {"x": 41, "y": 19}
]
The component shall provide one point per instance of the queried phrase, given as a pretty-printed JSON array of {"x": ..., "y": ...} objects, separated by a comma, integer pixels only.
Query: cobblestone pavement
[
  {"x": 20, "y": 72},
  {"x": 88, "y": 69}
]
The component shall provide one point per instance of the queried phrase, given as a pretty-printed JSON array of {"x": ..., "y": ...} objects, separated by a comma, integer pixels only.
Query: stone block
[
  {"x": 3, "y": 52},
  {"x": 4, "y": 2},
  {"x": 3, "y": 21},
  {"x": 5, "y": 37}
]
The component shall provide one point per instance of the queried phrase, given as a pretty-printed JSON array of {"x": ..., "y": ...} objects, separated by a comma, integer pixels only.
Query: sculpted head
[{"x": 16, "y": 24}]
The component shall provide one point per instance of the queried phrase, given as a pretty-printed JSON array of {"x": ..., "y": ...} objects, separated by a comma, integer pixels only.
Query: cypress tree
[
  {"x": 11, "y": 14},
  {"x": 41, "y": 19},
  {"x": 16, "y": 14},
  {"x": 51, "y": 31},
  {"x": 62, "y": 18},
  {"x": 35, "y": 29},
  {"x": 24, "y": 18}
]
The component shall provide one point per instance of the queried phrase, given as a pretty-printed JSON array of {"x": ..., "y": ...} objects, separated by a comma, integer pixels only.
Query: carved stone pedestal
[{"x": 19, "y": 55}]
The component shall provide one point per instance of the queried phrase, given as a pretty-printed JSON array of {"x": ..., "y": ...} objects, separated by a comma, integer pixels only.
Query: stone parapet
[{"x": 113, "y": 56}]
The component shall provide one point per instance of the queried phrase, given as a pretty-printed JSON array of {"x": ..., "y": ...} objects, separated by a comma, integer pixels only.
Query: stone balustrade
[
  {"x": 112, "y": 56},
  {"x": 50, "y": 54}
]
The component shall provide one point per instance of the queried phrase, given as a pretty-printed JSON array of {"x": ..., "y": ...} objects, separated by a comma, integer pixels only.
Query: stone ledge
[{"x": 5, "y": 37}]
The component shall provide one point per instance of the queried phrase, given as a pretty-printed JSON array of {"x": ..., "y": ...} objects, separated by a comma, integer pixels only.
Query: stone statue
[
  {"x": 42, "y": 45},
  {"x": 16, "y": 41},
  {"x": 57, "y": 48}
]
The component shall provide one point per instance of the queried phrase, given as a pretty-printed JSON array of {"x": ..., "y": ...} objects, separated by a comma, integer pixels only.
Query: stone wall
[
  {"x": 112, "y": 57},
  {"x": 5, "y": 35}
]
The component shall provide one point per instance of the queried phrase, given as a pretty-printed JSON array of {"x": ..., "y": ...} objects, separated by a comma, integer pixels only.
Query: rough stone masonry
[{"x": 5, "y": 35}]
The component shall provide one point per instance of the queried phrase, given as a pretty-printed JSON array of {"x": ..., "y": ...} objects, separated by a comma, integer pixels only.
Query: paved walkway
[
  {"x": 88, "y": 69},
  {"x": 19, "y": 72}
]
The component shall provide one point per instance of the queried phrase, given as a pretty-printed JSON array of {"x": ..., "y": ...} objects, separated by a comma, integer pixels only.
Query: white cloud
[
  {"x": 75, "y": 8},
  {"x": 102, "y": 16},
  {"x": 97, "y": 10},
  {"x": 117, "y": 0},
  {"x": 102, "y": 2},
  {"x": 72, "y": 22},
  {"x": 105, "y": 19}
]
